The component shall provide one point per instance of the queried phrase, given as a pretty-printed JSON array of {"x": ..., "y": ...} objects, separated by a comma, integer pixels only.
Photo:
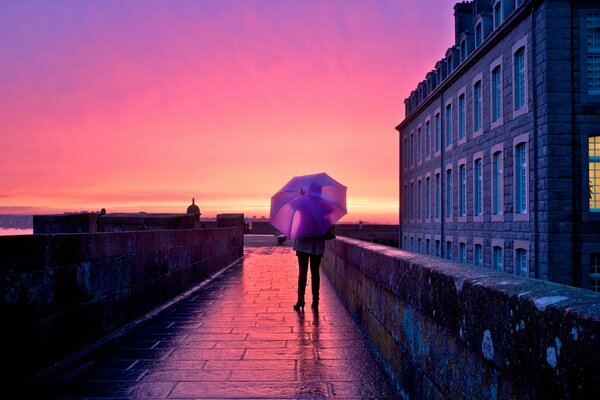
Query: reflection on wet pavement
[{"x": 235, "y": 338}]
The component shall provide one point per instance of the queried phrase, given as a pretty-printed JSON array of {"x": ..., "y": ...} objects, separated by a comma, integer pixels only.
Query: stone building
[{"x": 500, "y": 145}]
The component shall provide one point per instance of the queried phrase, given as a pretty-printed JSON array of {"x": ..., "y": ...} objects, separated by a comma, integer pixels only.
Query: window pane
[
  {"x": 521, "y": 262},
  {"x": 521, "y": 178},
  {"x": 477, "y": 178},
  {"x": 462, "y": 191},
  {"x": 478, "y": 255},
  {"x": 519, "y": 78},
  {"x": 477, "y": 106},
  {"x": 461, "y": 116},
  {"x": 497, "y": 183},
  {"x": 496, "y": 94},
  {"x": 594, "y": 173},
  {"x": 593, "y": 53},
  {"x": 438, "y": 132},
  {"x": 449, "y": 193},
  {"x": 448, "y": 125}
]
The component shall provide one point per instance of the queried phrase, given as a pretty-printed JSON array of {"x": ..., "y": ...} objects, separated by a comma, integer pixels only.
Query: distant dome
[{"x": 193, "y": 208}]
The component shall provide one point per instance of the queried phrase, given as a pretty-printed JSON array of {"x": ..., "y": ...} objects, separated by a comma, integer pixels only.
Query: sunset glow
[{"x": 142, "y": 105}]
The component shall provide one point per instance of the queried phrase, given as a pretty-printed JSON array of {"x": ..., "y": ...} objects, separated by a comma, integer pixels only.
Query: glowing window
[{"x": 594, "y": 173}]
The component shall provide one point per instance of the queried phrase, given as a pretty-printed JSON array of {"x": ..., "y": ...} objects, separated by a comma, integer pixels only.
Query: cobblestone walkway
[{"x": 236, "y": 338}]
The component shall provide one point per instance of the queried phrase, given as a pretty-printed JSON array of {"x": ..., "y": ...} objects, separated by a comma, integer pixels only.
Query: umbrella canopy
[{"x": 308, "y": 205}]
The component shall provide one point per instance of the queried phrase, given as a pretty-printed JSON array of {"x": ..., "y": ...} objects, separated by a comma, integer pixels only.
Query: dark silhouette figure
[{"x": 310, "y": 251}]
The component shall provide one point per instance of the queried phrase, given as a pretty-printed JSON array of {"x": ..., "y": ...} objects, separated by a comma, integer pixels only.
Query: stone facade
[{"x": 535, "y": 219}]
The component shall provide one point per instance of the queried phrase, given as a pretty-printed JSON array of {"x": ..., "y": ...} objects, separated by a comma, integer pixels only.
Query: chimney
[{"x": 463, "y": 18}]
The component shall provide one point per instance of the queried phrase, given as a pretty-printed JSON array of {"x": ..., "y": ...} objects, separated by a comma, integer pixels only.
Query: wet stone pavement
[{"x": 237, "y": 337}]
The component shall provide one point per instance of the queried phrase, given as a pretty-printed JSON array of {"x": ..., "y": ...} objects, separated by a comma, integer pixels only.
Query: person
[{"x": 310, "y": 250}]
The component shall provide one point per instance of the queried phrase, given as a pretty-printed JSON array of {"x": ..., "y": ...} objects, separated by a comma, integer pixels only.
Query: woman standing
[{"x": 310, "y": 250}]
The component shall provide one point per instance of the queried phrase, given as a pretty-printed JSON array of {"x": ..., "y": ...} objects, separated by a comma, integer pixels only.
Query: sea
[{"x": 15, "y": 231}]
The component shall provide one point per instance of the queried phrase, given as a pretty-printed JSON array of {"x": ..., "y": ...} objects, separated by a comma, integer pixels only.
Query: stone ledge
[{"x": 530, "y": 338}]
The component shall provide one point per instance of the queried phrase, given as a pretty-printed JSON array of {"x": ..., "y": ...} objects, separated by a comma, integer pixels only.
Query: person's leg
[
  {"x": 315, "y": 280},
  {"x": 302, "y": 276}
]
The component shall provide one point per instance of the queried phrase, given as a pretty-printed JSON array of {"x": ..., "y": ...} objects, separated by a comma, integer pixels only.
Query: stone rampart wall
[
  {"x": 59, "y": 293},
  {"x": 447, "y": 331}
]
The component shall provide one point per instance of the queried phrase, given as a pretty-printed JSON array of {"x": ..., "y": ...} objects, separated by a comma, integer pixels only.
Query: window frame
[
  {"x": 448, "y": 126},
  {"x": 585, "y": 52},
  {"x": 521, "y": 245},
  {"x": 478, "y": 217},
  {"x": 498, "y": 243},
  {"x": 478, "y": 79},
  {"x": 497, "y": 199},
  {"x": 449, "y": 192},
  {"x": 519, "y": 215},
  {"x": 462, "y": 190},
  {"x": 419, "y": 149},
  {"x": 524, "y": 109},
  {"x": 462, "y": 250},
  {"x": 438, "y": 209},
  {"x": 478, "y": 242},
  {"x": 497, "y": 19},
  {"x": 461, "y": 116},
  {"x": 428, "y": 197},
  {"x": 497, "y": 64},
  {"x": 437, "y": 132},
  {"x": 428, "y": 143}
]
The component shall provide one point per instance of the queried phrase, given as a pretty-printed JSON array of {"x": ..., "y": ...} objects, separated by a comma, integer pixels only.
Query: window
[
  {"x": 461, "y": 116},
  {"x": 496, "y": 94},
  {"x": 427, "y": 246},
  {"x": 438, "y": 248},
  {"x": 405, "y": 151},
  {"x": 497, "y": 258},
  {"x": 411, "y": 201},
  {"x": 462, "y": 197},
  {"x": 594, "y": 173},
  {"x": 521, "y": 178},
  {"x": 438, "y": 195},
  {"x": 477, "y": 186},
  {"x": 411, "y": 155},
  {"x": 519, "y": 78},
  {"x": 448, "y": 124},
  {"x": 462, "y": 252},
  {"x": 593, "y": 53},
  {"x": 521, "y": 262},
  {"x": 478, "y": 255},
  {"x": 478, "y": 34},
  {"x": 595, "y": 272},
  {"x": 497, "y": 14},
  {"x": 419, "y": 145},
  {"x": 449, "y": 193},
  {"x": 428, "y": 198},
  {"x": 497, "y": 203},
  {"x": 427, "y": 139},
  {"x": 438, "y": 132},
  {"x": 463, "y": 50},
  {"x": 449, "y": 250},
  {"x": 419, "y": 245},
  {"x": 477, "y": 111},
  {"x": 405, "y": 202},
  {"x": 419, "y": 200}
]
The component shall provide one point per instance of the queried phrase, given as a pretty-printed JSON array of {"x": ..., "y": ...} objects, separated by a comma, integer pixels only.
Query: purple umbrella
[{"x": 308, "y": 205}]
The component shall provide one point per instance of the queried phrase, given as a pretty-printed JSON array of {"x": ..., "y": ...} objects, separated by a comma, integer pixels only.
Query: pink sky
[{"x": 141, "y": 105}]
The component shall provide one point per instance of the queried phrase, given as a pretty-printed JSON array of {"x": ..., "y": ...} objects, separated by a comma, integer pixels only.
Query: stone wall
[
  {"x": 448, "y": 331},
  {"x": 59, "y": 293}
]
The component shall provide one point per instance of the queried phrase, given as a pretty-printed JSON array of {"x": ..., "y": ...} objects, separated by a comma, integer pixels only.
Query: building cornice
[{"x": 491, "y": 41}]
